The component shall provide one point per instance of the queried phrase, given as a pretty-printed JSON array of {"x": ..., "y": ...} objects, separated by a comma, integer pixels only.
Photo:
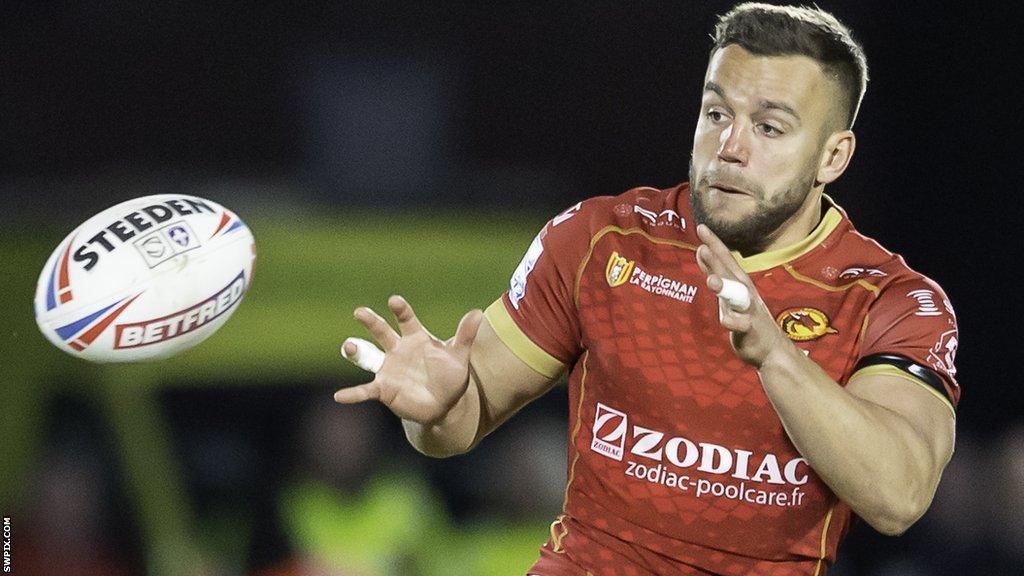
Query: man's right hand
[{"x": 422, "y": 377}]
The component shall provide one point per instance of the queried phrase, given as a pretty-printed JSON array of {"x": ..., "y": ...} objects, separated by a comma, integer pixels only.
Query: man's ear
[{"x": 835, "y": 156}]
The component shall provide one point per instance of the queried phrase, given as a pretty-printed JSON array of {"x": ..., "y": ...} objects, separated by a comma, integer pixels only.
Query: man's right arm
[
  {"x": 499, "y": 385},
  {"x": 451, "y": 394}
]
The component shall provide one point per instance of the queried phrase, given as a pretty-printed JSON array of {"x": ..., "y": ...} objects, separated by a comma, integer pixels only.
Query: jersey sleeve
[
  {"x": 537, "y": 318},
  {"x": 911, "y": 330}
]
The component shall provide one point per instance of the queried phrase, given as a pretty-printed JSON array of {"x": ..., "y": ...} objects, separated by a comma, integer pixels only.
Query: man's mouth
[{"x": 728, "y": 189}]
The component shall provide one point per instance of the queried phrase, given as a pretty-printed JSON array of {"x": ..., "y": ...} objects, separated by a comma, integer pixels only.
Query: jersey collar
[{"x": 765, "y": 260}]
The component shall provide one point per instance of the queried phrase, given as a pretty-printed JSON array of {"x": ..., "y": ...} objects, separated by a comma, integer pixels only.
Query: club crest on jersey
[
  {"x": 803, "y": 324},
  {"x": 618, "y": 270}
]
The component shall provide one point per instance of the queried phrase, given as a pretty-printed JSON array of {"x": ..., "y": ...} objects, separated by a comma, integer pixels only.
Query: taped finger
[
  {"x": 365, "y": 355},
  {"x": 735, "y": 295}
]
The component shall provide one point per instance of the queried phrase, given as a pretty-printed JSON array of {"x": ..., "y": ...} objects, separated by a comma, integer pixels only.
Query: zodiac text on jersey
[{"x": 705, "y": 468}]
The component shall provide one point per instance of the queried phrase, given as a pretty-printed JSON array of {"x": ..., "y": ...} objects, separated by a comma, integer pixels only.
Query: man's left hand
[{"x": 753, "y": 331}]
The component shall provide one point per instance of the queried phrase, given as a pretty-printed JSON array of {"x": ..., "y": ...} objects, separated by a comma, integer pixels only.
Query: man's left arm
[{"x": 881, "y": 443}]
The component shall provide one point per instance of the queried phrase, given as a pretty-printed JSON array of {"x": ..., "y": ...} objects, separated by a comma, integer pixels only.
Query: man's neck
[{"x": 801, "y": 224}]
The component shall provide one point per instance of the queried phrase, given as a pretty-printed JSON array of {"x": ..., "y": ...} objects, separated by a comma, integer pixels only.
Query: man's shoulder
[
  {"x": 854, "y": 257},
  {"x": 659, "y": 211}
]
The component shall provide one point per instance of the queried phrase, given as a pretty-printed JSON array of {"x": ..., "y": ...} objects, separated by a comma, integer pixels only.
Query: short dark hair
[{"x": 768, "y": 30}]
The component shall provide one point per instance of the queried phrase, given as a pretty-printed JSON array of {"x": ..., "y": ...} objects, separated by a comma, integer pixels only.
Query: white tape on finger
[
  {"x": 367, "y": 356},
  {"x": 735, "y": 295}
]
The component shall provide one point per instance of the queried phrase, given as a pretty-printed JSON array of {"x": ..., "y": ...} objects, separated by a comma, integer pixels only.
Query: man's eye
[
  {"x": 770, "y": 130},
  {"x": 714, "y": 115}
]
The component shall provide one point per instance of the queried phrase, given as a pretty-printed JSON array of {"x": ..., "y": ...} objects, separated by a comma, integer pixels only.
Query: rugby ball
[{"x": 145, "y": 279}]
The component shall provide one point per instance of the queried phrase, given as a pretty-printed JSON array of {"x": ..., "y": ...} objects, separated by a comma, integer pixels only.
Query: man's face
[{"x": 758, "y": 143}]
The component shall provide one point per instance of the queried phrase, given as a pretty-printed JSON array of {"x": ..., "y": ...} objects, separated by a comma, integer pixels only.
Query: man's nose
[{"x": 735, "y": 145}]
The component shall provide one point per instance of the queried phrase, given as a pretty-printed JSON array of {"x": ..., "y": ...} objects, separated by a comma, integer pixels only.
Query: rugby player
[{"x": 705, "y": 439}]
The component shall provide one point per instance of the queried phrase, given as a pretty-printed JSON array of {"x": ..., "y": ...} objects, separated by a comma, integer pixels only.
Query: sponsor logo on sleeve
[
  {"x": 859, "y": 272},
  {"x": 943, "y": 353},
  {"x": 663, "y": 218},
  {"x": 803, "y": 324},
  {"x": 569, "y": 213},
  {"x": 517, "y": 286},
  {"x": 925, "y": 303}
]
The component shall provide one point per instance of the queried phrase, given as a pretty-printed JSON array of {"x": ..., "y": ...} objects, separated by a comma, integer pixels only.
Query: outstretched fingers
[
  {"x": 466, "y": 333},
  {"x": 408, "y": 323},
  {"x": 378, "y": 327},
  {"x": 361, "y": 393}
]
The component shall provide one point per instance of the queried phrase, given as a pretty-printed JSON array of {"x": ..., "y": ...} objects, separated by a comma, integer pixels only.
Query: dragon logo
[{"x": 803, "y": 324}]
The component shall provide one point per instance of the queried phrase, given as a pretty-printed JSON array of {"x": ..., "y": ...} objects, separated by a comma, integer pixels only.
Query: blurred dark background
[{"x": 450, "y": 112}]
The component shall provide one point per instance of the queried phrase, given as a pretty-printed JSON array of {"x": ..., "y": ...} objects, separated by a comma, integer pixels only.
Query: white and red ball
[{"x": 145, "y": 279}]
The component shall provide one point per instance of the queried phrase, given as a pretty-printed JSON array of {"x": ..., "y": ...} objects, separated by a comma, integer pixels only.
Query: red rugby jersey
[{"x": 677, "y": 463}]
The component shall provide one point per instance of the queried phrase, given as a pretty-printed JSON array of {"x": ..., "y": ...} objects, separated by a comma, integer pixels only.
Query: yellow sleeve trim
[
  {"x": 520, "y": 344},
  {"x": 890, "y": 370}
]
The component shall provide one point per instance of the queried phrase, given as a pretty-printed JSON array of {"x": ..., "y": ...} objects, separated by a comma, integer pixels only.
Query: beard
[{"x": 752, "y": 233}]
